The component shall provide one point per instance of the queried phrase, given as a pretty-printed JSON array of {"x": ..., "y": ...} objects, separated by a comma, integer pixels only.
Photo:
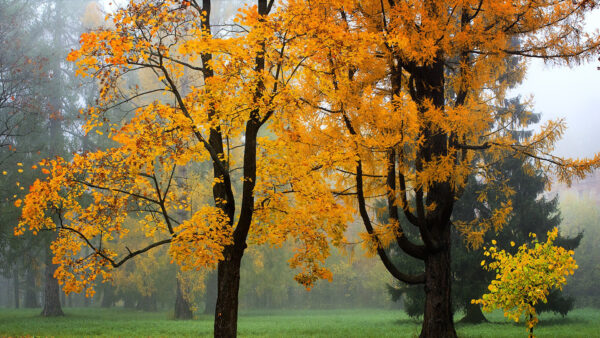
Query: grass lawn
[{"x": 289, "y": 323}]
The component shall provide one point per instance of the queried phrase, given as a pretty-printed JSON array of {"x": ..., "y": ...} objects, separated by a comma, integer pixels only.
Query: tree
[
  {"x": 532, "y": 212},
  {"x": 38, "y": 102},
  {"x": 525, "y": 279},
  {"x": 402, "y": 97},
  {"x": 236, "y": 80}
]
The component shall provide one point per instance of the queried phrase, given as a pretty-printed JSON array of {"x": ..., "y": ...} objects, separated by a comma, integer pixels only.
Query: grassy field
[{"x": 316, "y": 323}]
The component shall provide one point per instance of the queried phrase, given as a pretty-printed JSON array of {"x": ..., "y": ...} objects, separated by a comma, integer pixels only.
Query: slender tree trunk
[
  {"x": 226, "y": 311},
  {"x": 108, "y": 297},
  {"x": 31, "y": 300},
  {"x": 210, "y": 297},
  {"x": 437, "y": 319},
  {"x": 183, "y": 310},
  {"x": 52, "y": 306},
  {"x": 16, "y": 287}
]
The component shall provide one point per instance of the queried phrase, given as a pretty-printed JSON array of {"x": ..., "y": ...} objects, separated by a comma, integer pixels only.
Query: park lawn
[{"x": 288, "y": 323}]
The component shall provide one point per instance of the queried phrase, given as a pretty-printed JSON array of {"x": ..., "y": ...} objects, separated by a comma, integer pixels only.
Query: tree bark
[
  {"x": 437, "y": 318},
  {"x": 210, "y": 297},
  {"x": 183, "y": 310},
  {"x": 226, "y": 311},
  {"x": 52, "y": 306}
]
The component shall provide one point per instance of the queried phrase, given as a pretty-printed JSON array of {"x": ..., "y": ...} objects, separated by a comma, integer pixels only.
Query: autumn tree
[
  {"x": 525, "y": 279},
  {"x": 532, "y": 212},
  {"x": 400, "y": 98},
  {"x": 221, "y": 87}
]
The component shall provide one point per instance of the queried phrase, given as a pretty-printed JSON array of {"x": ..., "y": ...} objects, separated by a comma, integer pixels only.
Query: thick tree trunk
[
  {"x": 210, "y": 297},
  {"x": 183, "y": 310},
  {"x": 226, "y": 311},
  {"x": 473, "y": 315},
  {"x": 31, "y": 297},
  {"x": 437, "y": 319},
  {"x": 52, "y": 306}
]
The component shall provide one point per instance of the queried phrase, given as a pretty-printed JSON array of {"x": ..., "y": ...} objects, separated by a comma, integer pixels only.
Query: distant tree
[
  {"x": 40, "y": 100},
  {"x": 582, "y": 213}
]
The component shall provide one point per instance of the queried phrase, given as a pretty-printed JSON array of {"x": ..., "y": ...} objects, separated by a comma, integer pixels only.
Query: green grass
[{"x": 80, "y": 322}]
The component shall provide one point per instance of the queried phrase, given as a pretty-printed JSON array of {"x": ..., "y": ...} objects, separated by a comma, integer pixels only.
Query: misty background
[{"x": 39, "y": 118}]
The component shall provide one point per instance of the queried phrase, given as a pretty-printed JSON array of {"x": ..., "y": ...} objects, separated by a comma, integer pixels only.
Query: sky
[{"x": 572, "y": 94}]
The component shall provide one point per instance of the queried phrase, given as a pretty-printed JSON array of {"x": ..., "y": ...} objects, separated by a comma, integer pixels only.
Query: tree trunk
[
  {"x": 473, "y": 315},
  {"x": 437, "y": 319},
  {"x": 108, "y": 296},
  {"x": 31, "y": 300},
  {"x": 182, "y": 306},
  {"x": 63, "y": 298},
  {"x": 128, "y": 301},
  {"x": 52, "y": 306},
  {"x": 210, "y": 297},
  {"x": 147, "y": 303},
  {"x": 226, "y": 311},
  {"x": 16, "y": 288}
]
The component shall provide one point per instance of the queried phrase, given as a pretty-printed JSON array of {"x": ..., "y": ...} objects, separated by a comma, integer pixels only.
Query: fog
[{"x": 39, "y": 118}]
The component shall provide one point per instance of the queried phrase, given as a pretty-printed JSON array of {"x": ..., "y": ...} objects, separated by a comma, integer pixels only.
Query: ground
[{"x": 288, "y": 323}]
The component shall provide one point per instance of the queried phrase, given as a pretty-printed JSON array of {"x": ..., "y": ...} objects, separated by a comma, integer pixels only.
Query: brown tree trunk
[
  {"x": 437, "y": 319},
  {"x": 183, "y": 310},
  {"x": 52, "y": 306},
  {"x": 226, "y": 311}
]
